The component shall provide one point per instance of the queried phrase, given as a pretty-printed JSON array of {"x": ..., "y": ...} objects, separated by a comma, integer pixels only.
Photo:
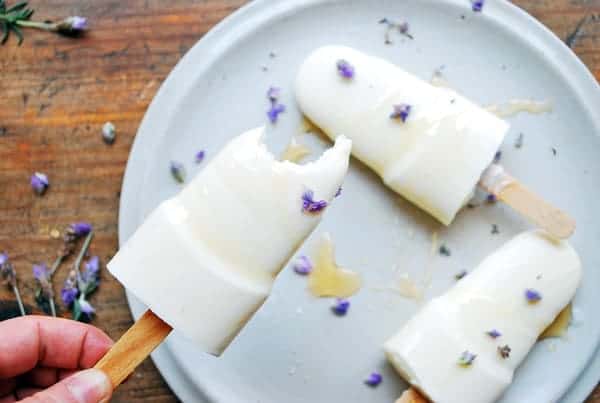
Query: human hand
[{"x": 41, "y": 359}]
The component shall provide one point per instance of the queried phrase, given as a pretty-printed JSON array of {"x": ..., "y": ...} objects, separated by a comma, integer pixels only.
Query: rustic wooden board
[{"x": 57, "y": 92}]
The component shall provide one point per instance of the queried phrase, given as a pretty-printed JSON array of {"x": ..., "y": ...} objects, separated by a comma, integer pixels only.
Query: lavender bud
[
  {"x": 72, "y": 26},
  {"x": 108, "y": 133},
  {"x": 39, "y": 183}
]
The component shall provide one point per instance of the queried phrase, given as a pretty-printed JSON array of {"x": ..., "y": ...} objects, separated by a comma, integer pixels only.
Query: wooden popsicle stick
[
  {"x": 510, "y": 191},
  {"x": 411, "y": 396},
  {"x": 133, "y": 347}
]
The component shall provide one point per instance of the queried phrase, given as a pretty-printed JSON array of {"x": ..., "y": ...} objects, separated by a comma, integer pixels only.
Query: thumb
[{"x": 89, "y": 386}]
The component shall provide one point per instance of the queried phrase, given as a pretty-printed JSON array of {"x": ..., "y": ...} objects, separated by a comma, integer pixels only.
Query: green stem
[
  {"x": 56, "y": 264},
  {"x": 19, "y": 300},
  {"x": 37, "y": 25},
  {"x": 82, "y": 252},
  {"x": 52, "y": 307}
]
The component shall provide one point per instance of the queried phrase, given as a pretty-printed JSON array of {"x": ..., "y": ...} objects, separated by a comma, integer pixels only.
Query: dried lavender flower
[
  {"x": 90, "y": 276},
  {"x": 303, "y": 265},
  {"x": 199, "y": 157},
  {"x": 70, "y": 291},
  {"x": 495, "y": 230},
  {"x": 504, "y": 351},
  {"x": 9, "y": 277},
  {"x": 86, "y": 307},
  {"x": 108, "y": 133},
  {"x": 309, "y": 205},
  {"x": 532, "y": 296},
  {"x": 491, "y": 198},
  {"x": 494, "y": 334},
  {"x": 338, "y": 193},
  {"x": 44, "y": 292},
  {"x": 345, "y": 69},
  {"x": 177, "y": 171},
  {"x": 401, "y": 111},
  {"x": 444, "y": 250},
  {"x": 72, "y": 26},
  {"x": 273, "y": 93},
  {"x": 39, "y": 183},
  {"x": 466, "y": 359},
  {"x": 274, "y": 111},
  {"x": 477, "y": 5},
  {"x": 403, "y": 28},
  {"x": 497, "y": 156},
  {"x": 341, "y": 306},
  {"x": 460, "y": 275},
  {"x": 374, "y": 379}
]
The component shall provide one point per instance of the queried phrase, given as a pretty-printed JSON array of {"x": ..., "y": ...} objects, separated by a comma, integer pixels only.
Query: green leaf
[
  {"x": 17, "y": 7},
  {"x": 2, "y": 6},
  {"x": 4, "y": 26},
  {"x": 76, "y": 310},
  {"x": 91, "y": 288},
  {"x": 17, "y": 32}
]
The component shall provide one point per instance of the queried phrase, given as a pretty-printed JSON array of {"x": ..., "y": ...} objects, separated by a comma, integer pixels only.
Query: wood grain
[
  {"x": 57, "y": 92},
  {"x": 133, "y": 347}
]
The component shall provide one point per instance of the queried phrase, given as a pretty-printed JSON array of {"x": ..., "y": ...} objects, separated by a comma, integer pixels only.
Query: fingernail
[{"x": 91, "y": 385}]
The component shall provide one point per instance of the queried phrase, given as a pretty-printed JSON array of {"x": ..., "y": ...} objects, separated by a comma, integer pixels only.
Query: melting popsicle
[
  {"x": 429, "y": 144},
  {"x": 473, "y": 337},
  {"x": 205, "y": 260}
]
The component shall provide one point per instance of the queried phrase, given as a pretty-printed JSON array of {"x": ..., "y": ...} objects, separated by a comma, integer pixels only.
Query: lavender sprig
[
  {"x": 9, "y": 277},
  {"x": 79, "y": 284},
  {"x": 12, "y": 19},
  {"x": 44, "y": 292}
]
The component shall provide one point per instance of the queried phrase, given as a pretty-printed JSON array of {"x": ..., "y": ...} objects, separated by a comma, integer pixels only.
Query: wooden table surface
[{"x": 56, "y": 93}]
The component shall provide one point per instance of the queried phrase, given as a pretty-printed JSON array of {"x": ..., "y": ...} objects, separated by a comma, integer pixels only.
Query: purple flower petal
[
  {"x": 532, "y": 296},
  {"x": 303, "y": 265},
  {"x": 199, "y": 157},
  {"x": 68, "y": 294},
  {"x": 494, "y": 334},
  {"x": 273, "y": 93},
  {"x": 491, "y": 198},
  {"x": 341, "y": 307},
  {"x": 40, "y": 272},
  {"x": 309, "y": 205},
  {"x": 274, "y": 111},
  {"x": 3, "y": 258},
  {"x": 345, "y": 69},
  {"x": 477, "y": 5},
  {"x": 79, "y": 23},
  {"x": 374, "y": 379},
  {"x": 80, "y": 229},
  {"x": 39, "y": 182},
  {"x": 401, "y": 111},
  {"x": 466, "y": 358}
]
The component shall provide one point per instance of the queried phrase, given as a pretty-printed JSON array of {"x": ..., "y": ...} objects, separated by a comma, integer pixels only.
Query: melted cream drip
[
  {"x": 409, "y": 288},
  {"x": 559, "y": 327},
  {"x": 327, "y": 279},
  {"x": 295, "y": 152},
  {"x": 515, "y": 106}
]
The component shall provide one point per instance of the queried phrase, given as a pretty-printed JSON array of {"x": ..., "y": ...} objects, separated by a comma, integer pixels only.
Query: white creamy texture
[
  {"x": 426, "y": 350},
  {"x": 434, "y": 159},
  {"x": 495, "y": 179},
  {"x": 205, "y": 260}
]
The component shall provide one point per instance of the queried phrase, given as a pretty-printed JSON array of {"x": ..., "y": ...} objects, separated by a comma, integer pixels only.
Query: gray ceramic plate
[{"x": 294, "y": 350}]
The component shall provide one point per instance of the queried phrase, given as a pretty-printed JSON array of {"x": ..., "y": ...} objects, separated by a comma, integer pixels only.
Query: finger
[
  {"x": 8, "y": 399},
  {"x": 26, "y": 392},
  {"x": 65, "y": 373},
  {"x": 89, "y": 386},
  {"x": 7, "y": 386},
  {"x": 41, "y": 377},
  {"x": 30, "y": 341}
]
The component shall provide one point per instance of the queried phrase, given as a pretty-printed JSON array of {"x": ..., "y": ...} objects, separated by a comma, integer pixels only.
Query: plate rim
[{"x": 224, "y": 34}]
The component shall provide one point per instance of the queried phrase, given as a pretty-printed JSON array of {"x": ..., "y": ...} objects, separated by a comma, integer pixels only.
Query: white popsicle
[
  {"x": 434, "y": 159},
  {"x": 427, "y": 349},
  {"x": 205, "y": 260}
]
